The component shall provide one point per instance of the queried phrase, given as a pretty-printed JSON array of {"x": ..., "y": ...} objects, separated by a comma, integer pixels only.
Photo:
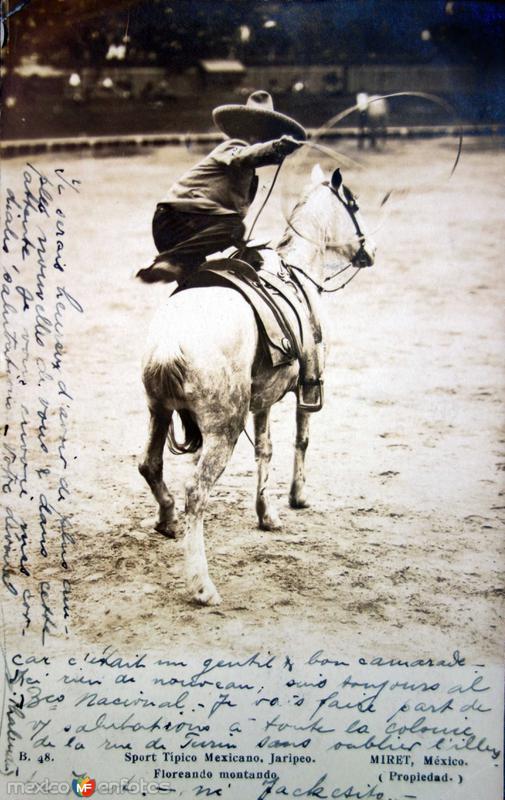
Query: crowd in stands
[{"x": 177, "y": 33}]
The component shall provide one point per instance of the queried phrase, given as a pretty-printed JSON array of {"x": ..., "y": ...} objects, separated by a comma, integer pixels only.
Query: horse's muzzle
[{"x": 365, "y": 256}]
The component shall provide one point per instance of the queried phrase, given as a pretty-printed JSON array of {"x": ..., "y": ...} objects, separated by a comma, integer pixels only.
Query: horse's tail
[
  {"x": 163, "y": 382},
  {"x": 192, "y": 434}
]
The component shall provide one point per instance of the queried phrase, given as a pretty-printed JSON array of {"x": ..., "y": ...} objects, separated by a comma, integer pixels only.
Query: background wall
[{"x": 124, "y": 66}]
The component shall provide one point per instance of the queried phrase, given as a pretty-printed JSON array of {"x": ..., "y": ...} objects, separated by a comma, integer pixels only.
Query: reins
[
  {"x": 322, "y": 289},
  {"x": 316, "y": 146},
  {"x": 350, "y": 206},
  {"x": 265, "y": 201}
]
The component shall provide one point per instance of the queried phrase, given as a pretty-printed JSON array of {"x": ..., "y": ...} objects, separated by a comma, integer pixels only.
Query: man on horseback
[{"x": 204, "y": 210}]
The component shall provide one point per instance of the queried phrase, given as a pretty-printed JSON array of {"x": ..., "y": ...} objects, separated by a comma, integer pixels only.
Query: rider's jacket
[{"x": 225, "y": 181}]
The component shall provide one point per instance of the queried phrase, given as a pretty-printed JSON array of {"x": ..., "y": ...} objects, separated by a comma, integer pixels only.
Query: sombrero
[{"x": 256, "y": 118}]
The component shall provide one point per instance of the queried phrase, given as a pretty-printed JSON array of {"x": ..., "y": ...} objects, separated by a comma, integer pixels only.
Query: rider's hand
[{"x": 286, "y": 145}]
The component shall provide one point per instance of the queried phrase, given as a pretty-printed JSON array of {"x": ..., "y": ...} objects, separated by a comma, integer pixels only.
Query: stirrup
[{"x": 302, "y": 404}]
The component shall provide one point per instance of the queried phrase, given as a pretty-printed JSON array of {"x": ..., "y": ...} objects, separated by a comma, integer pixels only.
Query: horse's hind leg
[
  {"x": 216, "y": 451},
  {"x": 151, "y": 469},
  {"x": 267, "y": 515},
  {"x": 297, "y": 497}
]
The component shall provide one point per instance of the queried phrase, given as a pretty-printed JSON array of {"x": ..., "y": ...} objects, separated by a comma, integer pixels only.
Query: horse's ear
[
  {"x": 317, "y": 174},
  {"x": 336, "y": 179}
]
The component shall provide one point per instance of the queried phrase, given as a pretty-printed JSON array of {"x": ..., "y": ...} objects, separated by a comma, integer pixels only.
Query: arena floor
[{"x": 401, "y": 547}]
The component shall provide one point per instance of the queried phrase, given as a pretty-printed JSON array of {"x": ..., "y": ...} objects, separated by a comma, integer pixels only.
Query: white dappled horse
[{"x": 203, "y": 360}]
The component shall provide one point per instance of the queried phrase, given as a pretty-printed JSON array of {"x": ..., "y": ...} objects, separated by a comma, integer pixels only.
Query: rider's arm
[{"x": 259, "y": 155}]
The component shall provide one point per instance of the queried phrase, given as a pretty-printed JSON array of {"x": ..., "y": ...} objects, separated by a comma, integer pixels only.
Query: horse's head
[
  {"x": 336, "y": 222},
  {"x": 359, "y": 248}
]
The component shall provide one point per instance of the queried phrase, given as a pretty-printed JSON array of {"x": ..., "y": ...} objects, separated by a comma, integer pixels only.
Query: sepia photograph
[{"x": 253, "y": 374}]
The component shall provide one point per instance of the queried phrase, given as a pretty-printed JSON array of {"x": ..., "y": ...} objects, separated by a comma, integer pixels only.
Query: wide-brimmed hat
[{"x": 256, "y": 118}]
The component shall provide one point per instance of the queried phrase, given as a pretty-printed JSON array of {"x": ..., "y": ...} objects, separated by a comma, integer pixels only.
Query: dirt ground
[{"x": 401, "y": 548}]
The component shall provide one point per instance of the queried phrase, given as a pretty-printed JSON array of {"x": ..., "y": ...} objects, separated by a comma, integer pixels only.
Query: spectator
[{"x": 373, "y": 111}]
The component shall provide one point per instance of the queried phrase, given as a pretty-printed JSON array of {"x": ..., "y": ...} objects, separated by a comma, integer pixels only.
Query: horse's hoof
[
  {"x": 203, "y": 590},
  {"x": 298, "y": 502},
  {"x": 168, "y": 531},
  {"x": 270, "y": 523},
  {"x": 215, "y": 600},
  {"x": 208, "y": 597}
]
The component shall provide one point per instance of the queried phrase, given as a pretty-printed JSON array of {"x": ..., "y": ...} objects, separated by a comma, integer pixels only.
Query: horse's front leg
[
  {"x": 267, "y": 516},
  {"x": 151, "y": 469},
  {"x": 297, "y": 497},
  {"x": 215, "y": 453}
]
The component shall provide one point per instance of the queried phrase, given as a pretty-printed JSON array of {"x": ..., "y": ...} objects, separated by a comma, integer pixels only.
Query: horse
[{"x": 204, "y": 361}]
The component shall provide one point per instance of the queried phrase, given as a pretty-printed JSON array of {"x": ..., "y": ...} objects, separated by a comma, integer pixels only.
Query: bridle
[
  {"x": 360, "y": 260},
  {"x": 349, "y": 202}
]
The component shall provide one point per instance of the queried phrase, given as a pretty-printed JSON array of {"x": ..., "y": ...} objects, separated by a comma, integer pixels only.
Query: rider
[{"x": 204, "y": 210}]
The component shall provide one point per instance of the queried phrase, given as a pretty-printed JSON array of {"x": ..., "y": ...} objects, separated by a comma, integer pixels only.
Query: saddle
[{"x": 288, "y": 327}]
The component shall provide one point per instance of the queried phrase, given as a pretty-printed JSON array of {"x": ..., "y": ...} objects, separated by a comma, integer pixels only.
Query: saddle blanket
[{"x": 287, "y": 324}]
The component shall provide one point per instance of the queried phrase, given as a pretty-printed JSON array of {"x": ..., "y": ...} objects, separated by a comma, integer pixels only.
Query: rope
[
  {"x": 342, "y": 159},
  {"x": 424, "y": 95},
  {"x": 265, "y": 201},
  {"x": 320, "y": 288},
  {"x": 335, "y": 156},
  {"x": 247, "y": 434},
  {"x": 327, "y": 151}
]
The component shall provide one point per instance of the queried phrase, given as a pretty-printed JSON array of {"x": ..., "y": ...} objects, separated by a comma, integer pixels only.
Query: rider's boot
[{"x": 161, "y": 270}]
